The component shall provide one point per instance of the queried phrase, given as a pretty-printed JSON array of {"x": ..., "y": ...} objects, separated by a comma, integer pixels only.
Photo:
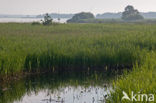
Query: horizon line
[{"x": 71, "y": 13}]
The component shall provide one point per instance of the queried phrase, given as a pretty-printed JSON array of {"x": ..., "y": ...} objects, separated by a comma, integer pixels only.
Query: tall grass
[
  {"x": 141, "y": 81},
  {"x": 24, "y": 47}
]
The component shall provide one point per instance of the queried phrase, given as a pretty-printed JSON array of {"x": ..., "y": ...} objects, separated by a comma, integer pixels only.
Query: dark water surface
[{"x": 71, "y": 87}]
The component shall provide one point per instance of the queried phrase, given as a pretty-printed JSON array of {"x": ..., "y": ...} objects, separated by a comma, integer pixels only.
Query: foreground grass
[{"x": 141, "y": 80}]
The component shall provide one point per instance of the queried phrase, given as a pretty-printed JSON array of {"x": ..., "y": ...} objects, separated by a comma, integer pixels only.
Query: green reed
[{"x": 24, "y": 47}]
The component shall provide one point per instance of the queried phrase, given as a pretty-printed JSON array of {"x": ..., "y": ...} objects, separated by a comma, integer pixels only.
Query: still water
[
  {"x": 78, "y": 87},
  {"x": 27, "y": 20}
]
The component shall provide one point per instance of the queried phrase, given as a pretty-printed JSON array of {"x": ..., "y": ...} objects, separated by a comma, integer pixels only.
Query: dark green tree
[
  {"x": 81, "y": 16},
  {"x": 47, "y": 19},
  {"x": 131, "y": 14}
]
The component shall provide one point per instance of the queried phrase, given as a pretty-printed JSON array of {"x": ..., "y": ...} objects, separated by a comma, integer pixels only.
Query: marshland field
[{"x": 125, "y": 52}]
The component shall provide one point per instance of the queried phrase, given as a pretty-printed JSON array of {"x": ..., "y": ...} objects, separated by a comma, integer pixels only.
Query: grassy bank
[{"x": 141, "y": 80}]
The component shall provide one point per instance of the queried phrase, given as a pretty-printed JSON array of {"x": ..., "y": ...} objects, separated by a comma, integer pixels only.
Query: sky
[{"x": 34, "y": 7}]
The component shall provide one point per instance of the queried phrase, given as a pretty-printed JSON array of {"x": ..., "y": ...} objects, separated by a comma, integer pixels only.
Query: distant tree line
[
  {"x": 56, "y": 15},
  {"x": 130, "y": 14}
]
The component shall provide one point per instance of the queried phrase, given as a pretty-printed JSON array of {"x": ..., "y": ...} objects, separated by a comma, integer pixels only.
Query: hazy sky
[{"x": 72, "y": 6}]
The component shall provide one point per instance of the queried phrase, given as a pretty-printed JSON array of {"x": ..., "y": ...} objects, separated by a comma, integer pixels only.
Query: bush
[
  {"x": 81, "y": 16},
  {"x": 47, "y": 20}
]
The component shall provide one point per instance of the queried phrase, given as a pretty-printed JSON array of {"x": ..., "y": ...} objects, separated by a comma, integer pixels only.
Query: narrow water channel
[{"x": 71, "y": 87}]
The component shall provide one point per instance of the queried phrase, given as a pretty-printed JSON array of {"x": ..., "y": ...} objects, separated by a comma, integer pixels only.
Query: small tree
[
  {"x": 47, "y": 20},
  {"x": 59, "y": 19},
  {"x": 131, "y": 14}
]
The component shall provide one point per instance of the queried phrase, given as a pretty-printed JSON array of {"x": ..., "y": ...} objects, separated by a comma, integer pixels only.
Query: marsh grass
[
  {"x": 33, "y": 48},
  {"x": 140, "y": 80}
]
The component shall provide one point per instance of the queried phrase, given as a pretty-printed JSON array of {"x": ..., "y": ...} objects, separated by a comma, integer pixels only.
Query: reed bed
[{"x": 24, "y": 47}]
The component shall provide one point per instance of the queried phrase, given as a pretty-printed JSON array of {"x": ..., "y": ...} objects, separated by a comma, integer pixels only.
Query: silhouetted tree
[
  {"x": 47, "y": 19},
  {"x": 58, "y": 19},
  {"x": 80, "y": 16},
  {"x": 131, "y": 14}
]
